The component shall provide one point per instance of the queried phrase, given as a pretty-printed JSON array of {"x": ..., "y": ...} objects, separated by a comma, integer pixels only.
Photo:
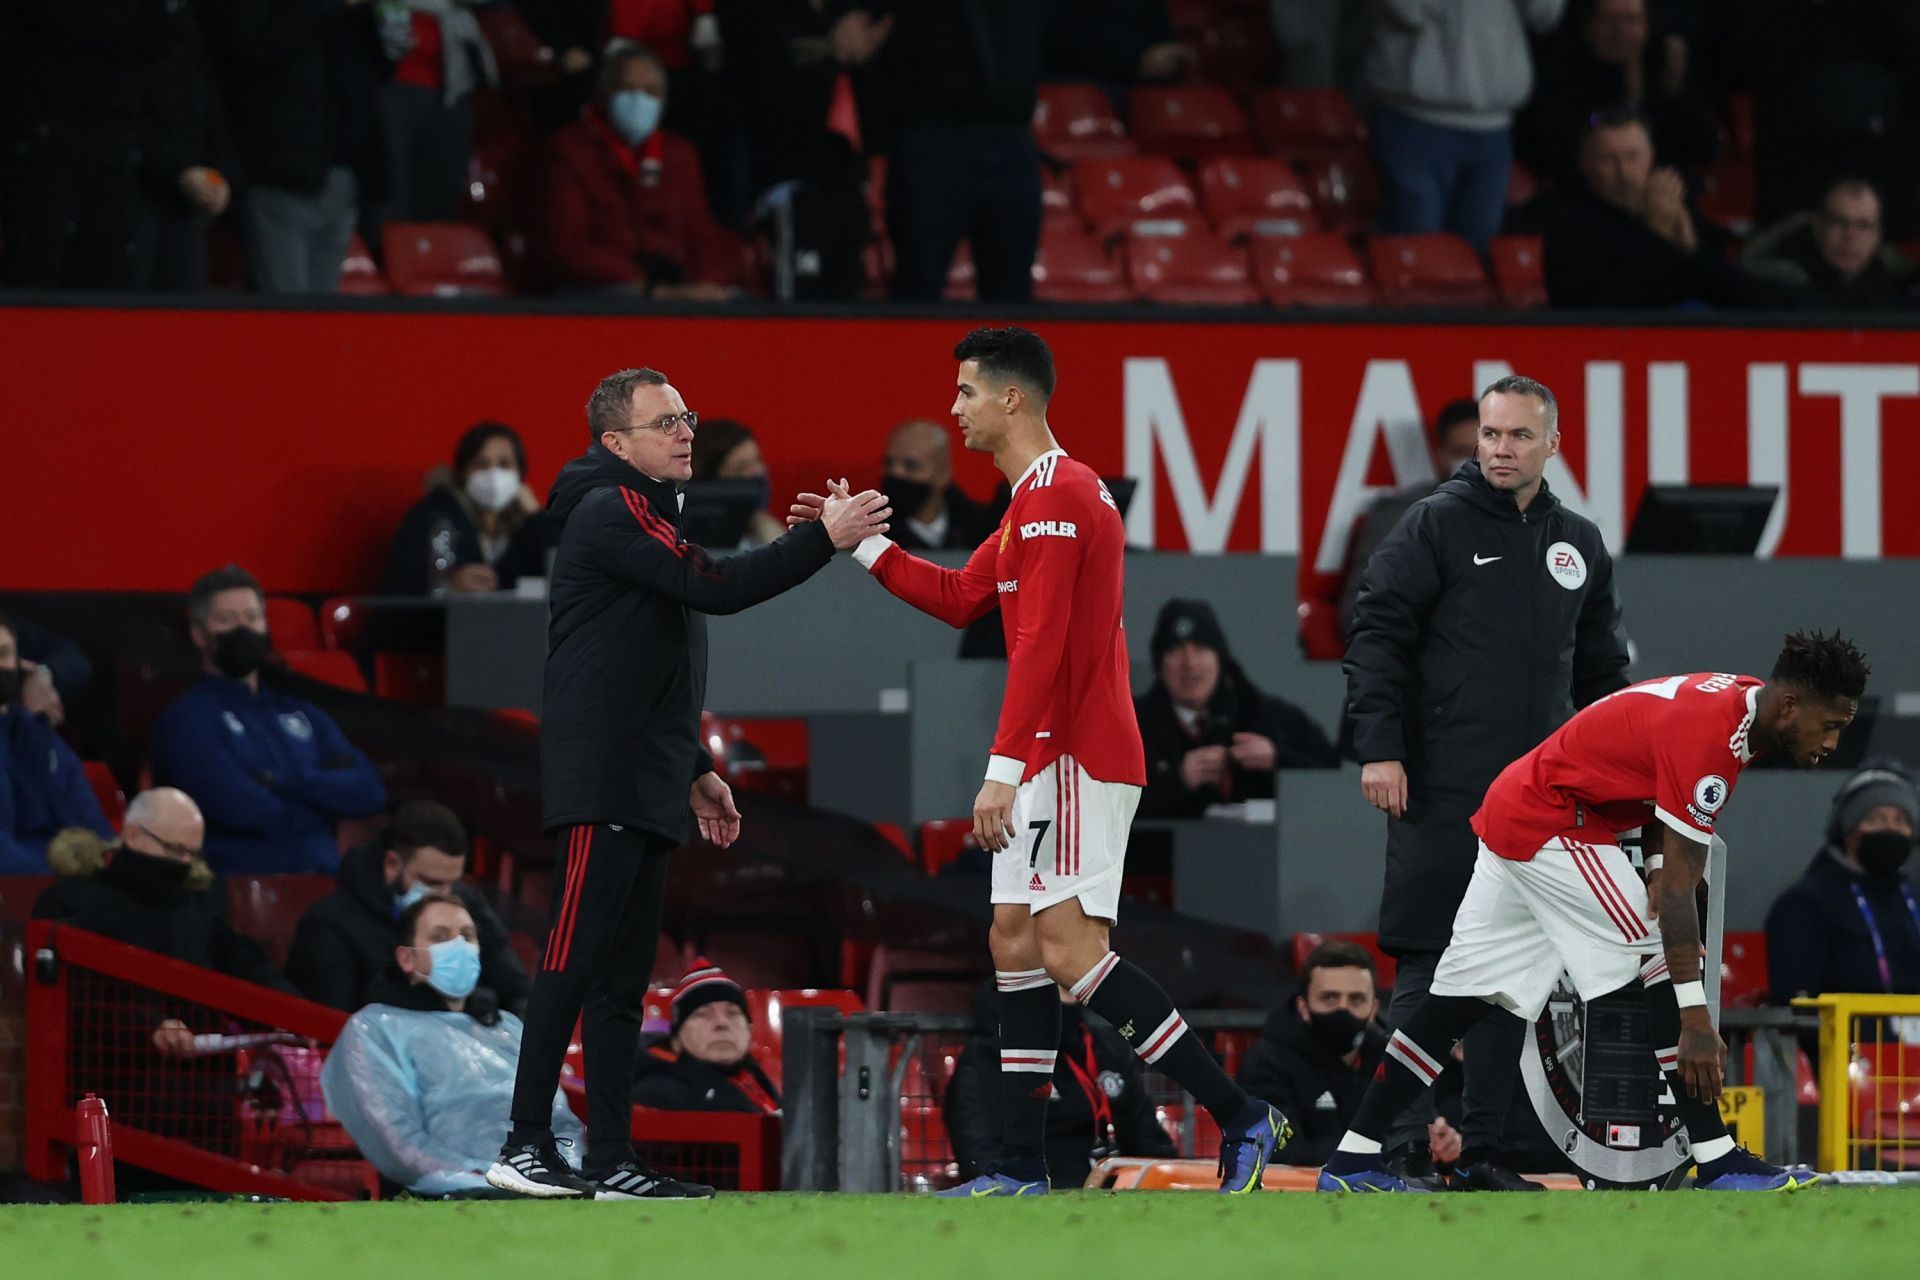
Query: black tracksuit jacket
[
  {"x": 626, "y": 669},
  {"x": 1467, "y": 650}
]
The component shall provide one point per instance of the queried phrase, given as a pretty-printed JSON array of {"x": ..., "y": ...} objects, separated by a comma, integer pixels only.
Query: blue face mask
[
  {"x": 456, "y": 967},
  {"x": 634, "y": 115},
  {"x": 412, "y": 894}
]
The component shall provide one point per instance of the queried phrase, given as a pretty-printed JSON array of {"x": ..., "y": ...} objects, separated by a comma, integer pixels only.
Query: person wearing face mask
[
  {"x": 919, "y": 479},
  {"x": 346, "y": 938},
  {"x": 273, "y": 772},
  {"x": 1852, "y": 922},
  {"x": 706, "y": 1064},
  {"x": 479, "y": 527},
  {"x": 727, "y": 450},
  {"x": 43, "y": 785},
  {"x": 1318, "y": 1051},
  {"x": 621, "y": 206},
  {"x": 150, "y": 889},
  {"x": 420, "y": 1077}
]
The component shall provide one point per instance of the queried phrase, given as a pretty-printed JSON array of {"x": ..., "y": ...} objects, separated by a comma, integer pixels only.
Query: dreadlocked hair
[{"x": 1828, "y": 666}]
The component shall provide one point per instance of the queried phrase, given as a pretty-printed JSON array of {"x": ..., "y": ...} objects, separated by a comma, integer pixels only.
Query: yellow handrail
[{"x": 1839, "y": 1014}]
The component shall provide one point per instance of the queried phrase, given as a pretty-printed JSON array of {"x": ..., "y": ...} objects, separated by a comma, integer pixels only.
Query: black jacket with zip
[
  {"x": 626, "y": 669},
  {"x": 1479, "y": 630}
]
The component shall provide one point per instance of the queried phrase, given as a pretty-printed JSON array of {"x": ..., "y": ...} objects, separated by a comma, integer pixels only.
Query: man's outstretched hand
[{"x": 850, "y": 518}]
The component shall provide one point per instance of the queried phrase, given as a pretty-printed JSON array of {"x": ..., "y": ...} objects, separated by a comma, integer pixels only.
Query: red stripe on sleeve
[{"x": 655, "y": 527}]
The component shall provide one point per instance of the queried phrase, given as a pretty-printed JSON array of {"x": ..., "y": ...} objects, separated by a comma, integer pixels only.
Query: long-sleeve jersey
[{"x": 1056, "y": 567}]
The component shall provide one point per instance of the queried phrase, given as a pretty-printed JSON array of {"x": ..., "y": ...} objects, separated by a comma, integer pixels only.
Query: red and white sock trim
[
  {"x": 1669, "y": 1059},
  {"x": 1164, "y": 1036},
  {"x": 1021, "y": 979},
  {"x": 1038, "y": 1061},
  {"x": 1090, "y": 980},
  {"x": 1413, "y": 1058},
  {"x": 1654, "y": 972}
]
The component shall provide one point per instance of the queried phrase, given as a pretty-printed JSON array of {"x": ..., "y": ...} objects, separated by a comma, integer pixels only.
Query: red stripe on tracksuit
[
  {"x": 566, "y": 893},
  {"x": 656, "y": 528},
  {"x": 1595, "y": 876},
  {"x": 561, "y": 943}
]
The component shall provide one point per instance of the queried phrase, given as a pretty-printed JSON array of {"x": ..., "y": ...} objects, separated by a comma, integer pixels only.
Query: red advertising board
[{"x": 146, "y": 446}]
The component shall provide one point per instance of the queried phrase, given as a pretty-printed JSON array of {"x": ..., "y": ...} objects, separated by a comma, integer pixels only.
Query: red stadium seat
[
  {"x": 1438, "y": 270},
  {"x": 1308, "y": 121},
  {"x": 1522, "y": 186},
  {"x": 961, "y": 286},
  {"x": 1345, "y": 190},
  {"x": 106, "y": 789},
  {"x": 1310, "y": 271},
  {"x": 359, "y": 276},
  {"x": 418, "y": 679},
  {"x": 1517, "y": 271},
  {"x": 1743, "y": 969},
  {"x": 767, "y": 1010},
  {"x": 944, "y": 839},
  {"x": 329, "y": 666},
  {"x": 442, "y": 260},
  {"x": 1250, "y": 196},
  {"x": 1740, "y": 126},
  {"x": 1196, "y": 270},
  {"x": 1073, "y": 122},
  {"x": 291, "y": 623},
  {"x": 894, "y": 834},
  {"x": 1190, "y": 122},
  {"x": 1056, "y": 199},
  {"x": 1726, "y": 195},
  {"x": 1114, "y": 195},
  {"x": 267, "y": 907},
  {"x": 341, "y": 623},
  {"x": 1074, "y": 267}
]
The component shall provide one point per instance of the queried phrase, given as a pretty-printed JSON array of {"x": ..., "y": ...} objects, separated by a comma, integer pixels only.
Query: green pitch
[{"x": 1078, "y": 1236}]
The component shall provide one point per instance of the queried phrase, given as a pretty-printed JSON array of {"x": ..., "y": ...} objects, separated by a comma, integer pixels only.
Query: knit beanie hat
[{"x": 704, "y": 984}]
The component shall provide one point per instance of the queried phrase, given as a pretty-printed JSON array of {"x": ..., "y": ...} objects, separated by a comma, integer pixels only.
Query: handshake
[{"x": 850, "y": 518}]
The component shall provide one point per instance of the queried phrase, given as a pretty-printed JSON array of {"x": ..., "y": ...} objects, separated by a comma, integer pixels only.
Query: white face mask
[{"x": 493, "y": 488}]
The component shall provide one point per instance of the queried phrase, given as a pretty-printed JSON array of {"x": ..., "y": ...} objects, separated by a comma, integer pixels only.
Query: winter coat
[
  {"x": 43, "y": 789},
  {"x": 1316, "y": 1090},
  {"x": 668, "y": 1081},
  {"x": 1237, "y": 706}
]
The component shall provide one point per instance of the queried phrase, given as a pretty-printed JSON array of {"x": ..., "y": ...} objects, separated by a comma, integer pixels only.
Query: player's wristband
[
  {"x": 1655, "y": 861},
  {"x": 1690, "y": 995}
]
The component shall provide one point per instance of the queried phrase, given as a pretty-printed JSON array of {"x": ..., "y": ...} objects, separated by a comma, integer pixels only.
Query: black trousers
[
  {"x": 979, "y": 183},
  {"x": 72, "y": 207},
  {"x": 604, "y": 933},
  {"x": 1491, "y": 1078}
]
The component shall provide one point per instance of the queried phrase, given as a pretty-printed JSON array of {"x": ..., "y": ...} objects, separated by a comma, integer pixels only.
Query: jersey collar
[{"x": 1055, "y": 452}]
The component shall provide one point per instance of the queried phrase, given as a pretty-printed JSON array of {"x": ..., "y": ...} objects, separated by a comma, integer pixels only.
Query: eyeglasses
[
  {"x": 177, "y": 850},
  {"x": 669, "y": 424}
]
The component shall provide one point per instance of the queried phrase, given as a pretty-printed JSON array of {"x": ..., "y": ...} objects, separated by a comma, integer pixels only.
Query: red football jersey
[
  {"x": 1670, "y": 749},
  {"x": 1056, "y": 566}
]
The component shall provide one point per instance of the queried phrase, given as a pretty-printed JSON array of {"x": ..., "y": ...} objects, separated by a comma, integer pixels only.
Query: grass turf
[{"x": 1838, "y": 1231}]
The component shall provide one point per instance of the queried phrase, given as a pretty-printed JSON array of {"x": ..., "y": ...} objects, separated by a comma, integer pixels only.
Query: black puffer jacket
[
  {"x": 1479, "y": 630},
  {"x": 627, "y": 644},
  {"x": 1315, "y": 1089}
]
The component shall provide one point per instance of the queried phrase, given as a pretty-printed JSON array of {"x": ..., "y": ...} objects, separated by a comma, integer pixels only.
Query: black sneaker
[
  {"x": 1485, "y": 1175},
  {"x": 535, "y": 1169},
  {"x": 635, "y": 1180},
  {"x": 1415, "y": 1168}
]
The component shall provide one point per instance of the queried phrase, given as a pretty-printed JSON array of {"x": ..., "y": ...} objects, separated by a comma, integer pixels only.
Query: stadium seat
[
  {"x": 961, "y": 286},
  {"x": 1074, "y": 122},
  {"x": 1885, "y": 1078},
  {"x": 267, "y": 907},
  {"x": 1056, "y": 200},
  {"x": 1743, "y": 969},
  {"x": 1195, "y": 270},
  {"x": 1319, "y": 630},
  {"x": 1727, "y": 194},
  {"x": 1115, "y": 195},
  {"x": 1252, "y": 196},
  {"x": 1522, "y": 186},
  {"x": 1308, "y": 121},
  {"x": 1740, "y": 125},
  {"x": 329, "y": 666},
  {"x": 418, "y": 679},
  {"x": 1437, "y": 270},
  {"x": 766, "y": 755},
  {"x": 1072, "y": 266},
  {"x": 1304, "y": 943},
  {"x": 1517, "y": 271},
  {"x": 906, "y": 980},
  {"x": 291, "y": 623},
  {"x": 767, "y": 1010},
  {"x": 442, "y": 260},
  {"x": 1187, "y": 122},
  {"x": 1310, "y": 271},
  {"x": 1345, "y": 190},
  {"x": 942, "y": 840},
  {"x": 106, "y": 789},
  {"x": 359, "y": 276},
  {"x": 17, "y": 896},
  {"x": 894, "y": 834},
  {"x": 341, "y": 623}
]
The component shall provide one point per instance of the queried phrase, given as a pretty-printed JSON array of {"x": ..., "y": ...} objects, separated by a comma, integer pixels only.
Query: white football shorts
[{"x": 1070, "y": 841}]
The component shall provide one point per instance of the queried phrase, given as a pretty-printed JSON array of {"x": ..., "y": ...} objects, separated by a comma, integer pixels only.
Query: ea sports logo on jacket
[{"x": 1566, "y": 566}]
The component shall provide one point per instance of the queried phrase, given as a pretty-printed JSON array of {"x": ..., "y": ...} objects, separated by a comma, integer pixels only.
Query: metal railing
[{"x": 1869, "y": 1073}]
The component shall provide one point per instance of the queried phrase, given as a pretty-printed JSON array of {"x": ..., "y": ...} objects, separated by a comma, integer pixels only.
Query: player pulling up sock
[
  {"x": 1067, "y": 766},
  {"x": 1552, "y": 890}
]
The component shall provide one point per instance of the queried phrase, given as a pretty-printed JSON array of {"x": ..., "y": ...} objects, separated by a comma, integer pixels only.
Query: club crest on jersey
[
  {"x": 1709, "y": 794},
  {"x": 1566, "y": 566},
  {"x": 1048, "y": 529},
  {"x": 1006, "y": 534}
]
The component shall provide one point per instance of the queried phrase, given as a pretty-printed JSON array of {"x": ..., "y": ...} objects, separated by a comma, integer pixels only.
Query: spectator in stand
[
  {"x": 55, "y": 667},
  {"x": 43, "y": 786},
  {"x": 934, "y": 513},
  {"x": 1098, "y": 1105},
  {"x": 479, "y": 527},
  {"x": 687, "y": 37},
  {"x": 150, "y": 889},
  {"x": 1627, "y": 237},
  {"x": 1319, "y": 1051},
  {"x": 1852, "y": 922},
  {"x": 272, "y": 771},
  {"x": 1116, "y": 44},
  {"x": 727, "y": 450},
  {"x": 1455, "y": 439},
  {"x": 421, "y": 1076},
  {"x": 706, "y": 1065},
  {"x": 961, "y": 78},
  {"x": 303, "y": 88},
  {"x": 345, "y": 940},
  {"x": 572, "y": 29},
  {"x": 622, "y": 208},
  {"x": 426, "y": 108},
  {"x": 1212, "y": 737},
  {"x": 1446, "y": 79},
  {"x": 1604, "y": 58},
  {"x": 1834, "y": 257},
  {"x": 186, "y": 153}
]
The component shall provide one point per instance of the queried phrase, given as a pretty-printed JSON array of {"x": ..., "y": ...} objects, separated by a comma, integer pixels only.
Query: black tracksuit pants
[{"x": 605, "y": 930}]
